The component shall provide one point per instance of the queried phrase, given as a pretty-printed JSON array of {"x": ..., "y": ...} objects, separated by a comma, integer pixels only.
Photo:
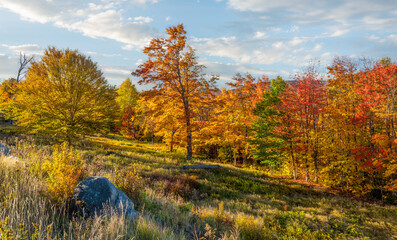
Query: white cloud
[
  {"x": 339, "y": 33},
  {"x": 389, "y": 39},
  {"x": 373, "y": 14},
  {"x": 116, "y": 74},
  {"x": 143, "y": 2},
  {"x": 112, "y": 69},
  {"x": 8, "y": 66},
  {"x": 28, "y": 49},
  {"x": 102, "y": 54},
  {"x": 139, "y": 62},
  {"x": 260, "y": 35},
  {"x": 142, "y": 19},
  {"x": 228, "y": 70},
  {"x": 317, "y": 47},
  {"x": 98, "y": 20},
  {"x": 392, "y": 38},
  {"x": 256, "y": 51}
]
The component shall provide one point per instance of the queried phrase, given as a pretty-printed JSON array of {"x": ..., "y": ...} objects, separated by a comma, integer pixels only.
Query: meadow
[{"x": 226, "y": 203}]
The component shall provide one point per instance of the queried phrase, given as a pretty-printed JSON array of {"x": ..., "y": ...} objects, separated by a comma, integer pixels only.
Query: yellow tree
[
  {"x": 127, "y": 100},
  {"x": 230, "y": 124},
  {"x": 342, "y": 138},
  {"x": 127, "y": 95},
  {"x": 245, "y": 93},
  {"x": 64, "y": 95},
  {"x": 173, "y": 71}
]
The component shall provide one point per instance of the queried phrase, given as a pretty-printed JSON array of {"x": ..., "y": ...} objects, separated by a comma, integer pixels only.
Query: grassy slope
[{"x": 229, "y": 203}]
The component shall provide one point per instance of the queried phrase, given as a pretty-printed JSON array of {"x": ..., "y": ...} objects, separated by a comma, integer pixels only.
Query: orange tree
[{"x": 173, "y": 71}]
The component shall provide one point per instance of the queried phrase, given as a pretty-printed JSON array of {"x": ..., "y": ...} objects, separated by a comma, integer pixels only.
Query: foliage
[
  {"x": 177, "y": 77},
  {"x": 8, "y": 89},
  {"x": 64, "y": 171},
  {"x": 129, "y": 181},
  {"x": 229, "y": 122},
  {"x": 267, "y": 139},
  {"x": 127, "y": 100},
  {"x": 64, "y": 95},
  {"x": 127, "y": 95}
]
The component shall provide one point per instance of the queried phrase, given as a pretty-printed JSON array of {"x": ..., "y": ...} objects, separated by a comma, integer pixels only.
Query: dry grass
[{"x": 230, "y": 203}]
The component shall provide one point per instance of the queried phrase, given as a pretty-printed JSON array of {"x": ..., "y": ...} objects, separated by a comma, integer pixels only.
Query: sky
[{"x": 260, "y": 37}]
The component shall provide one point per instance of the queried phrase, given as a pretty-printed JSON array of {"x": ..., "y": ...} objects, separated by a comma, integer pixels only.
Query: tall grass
[{"x": 229, "y": 203}]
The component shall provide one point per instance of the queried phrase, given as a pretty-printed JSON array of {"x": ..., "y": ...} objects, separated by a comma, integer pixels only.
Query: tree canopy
[
  {"x": 173, "y": 70},
  {"x": 64, "y": 95}
]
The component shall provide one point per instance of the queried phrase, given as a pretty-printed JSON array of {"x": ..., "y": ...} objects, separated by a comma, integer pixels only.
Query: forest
[{"x": 287, "y": 146}]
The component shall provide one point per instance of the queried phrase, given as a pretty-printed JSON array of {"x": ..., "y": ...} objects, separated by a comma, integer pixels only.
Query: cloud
[
  {"x": 102, "y": 54},
  {"x": 260, "y": 35},
  {"x": 226, "y": 71},
  {"x": 28, "y": 49},
  {"x": 8, "y": 66},
  {"x": 374, "y": 14},
  {"x": 98, "y": 19},
  {"x": 143, "y": 2},
  {"x": 141, "y": 19},
  {"x": 256, "y": 50},
  {"x": 116, "y": 74},
  {"x": 112, "y": 69},
  {"x": 389, "y": 39}
]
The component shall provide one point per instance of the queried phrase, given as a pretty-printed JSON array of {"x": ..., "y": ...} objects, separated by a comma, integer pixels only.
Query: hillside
[{"x": 227, "y": 203}]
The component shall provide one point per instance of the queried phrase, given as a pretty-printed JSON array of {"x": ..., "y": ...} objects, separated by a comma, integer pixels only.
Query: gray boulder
[
  {"x": 94, "y": 196},
  {"x": 4, "y": 150}
]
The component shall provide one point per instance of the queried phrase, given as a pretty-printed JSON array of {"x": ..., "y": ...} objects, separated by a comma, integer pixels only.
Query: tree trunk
[
  {"x": 172, "y": 140},
  {"x": 293, "y": 162},
  {"x": 189, "y": 149},
  {"x": 315, "y": 158},
  {"x": 307, "y": 176}
]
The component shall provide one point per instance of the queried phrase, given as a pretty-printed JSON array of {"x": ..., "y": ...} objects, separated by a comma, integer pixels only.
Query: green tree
[
  {"x": 64, "y": 95},
  {"x": 266, "y": 139}
]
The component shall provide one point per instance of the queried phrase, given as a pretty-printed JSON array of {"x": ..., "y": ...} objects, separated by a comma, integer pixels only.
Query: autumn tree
[
  {"x": 8, "y": 88},
  {"x": 127, "y": 100},
  {"x": 7, "y": 92},
  {"x": 64, "y": 95},
  {"x": 173, "y": 71},
  {"x": 307, "y": 101},
  {"x": 127, "y": 95},
  {"x": 376, "y": 115}
]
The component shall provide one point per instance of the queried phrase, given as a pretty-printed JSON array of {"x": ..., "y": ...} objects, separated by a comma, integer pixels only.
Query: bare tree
[{"x": 23, "y": 63}]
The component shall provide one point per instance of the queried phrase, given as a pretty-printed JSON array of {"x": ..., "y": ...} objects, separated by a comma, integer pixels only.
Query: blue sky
[{"x": 261, "y": 37}]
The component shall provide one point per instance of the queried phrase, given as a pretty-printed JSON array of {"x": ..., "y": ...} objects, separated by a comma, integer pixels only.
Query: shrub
[
  {"x": 64, "y": 172},
  {"x": 183, "y": 185},
  {"x": 225, "y": 153},
  {"x": 250, "y": 228},
  {"x": 129, "y": 181},
  {"x": 218, "y": 215}
]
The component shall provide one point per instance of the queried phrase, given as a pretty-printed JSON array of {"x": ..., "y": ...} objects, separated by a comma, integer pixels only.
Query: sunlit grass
[{"x": 228, "y": 203}]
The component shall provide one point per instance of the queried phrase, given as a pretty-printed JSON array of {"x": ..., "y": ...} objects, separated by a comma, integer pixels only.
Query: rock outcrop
[
  {"x": 95, "y": 195},
  {"x": 4, "y": 150}
]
